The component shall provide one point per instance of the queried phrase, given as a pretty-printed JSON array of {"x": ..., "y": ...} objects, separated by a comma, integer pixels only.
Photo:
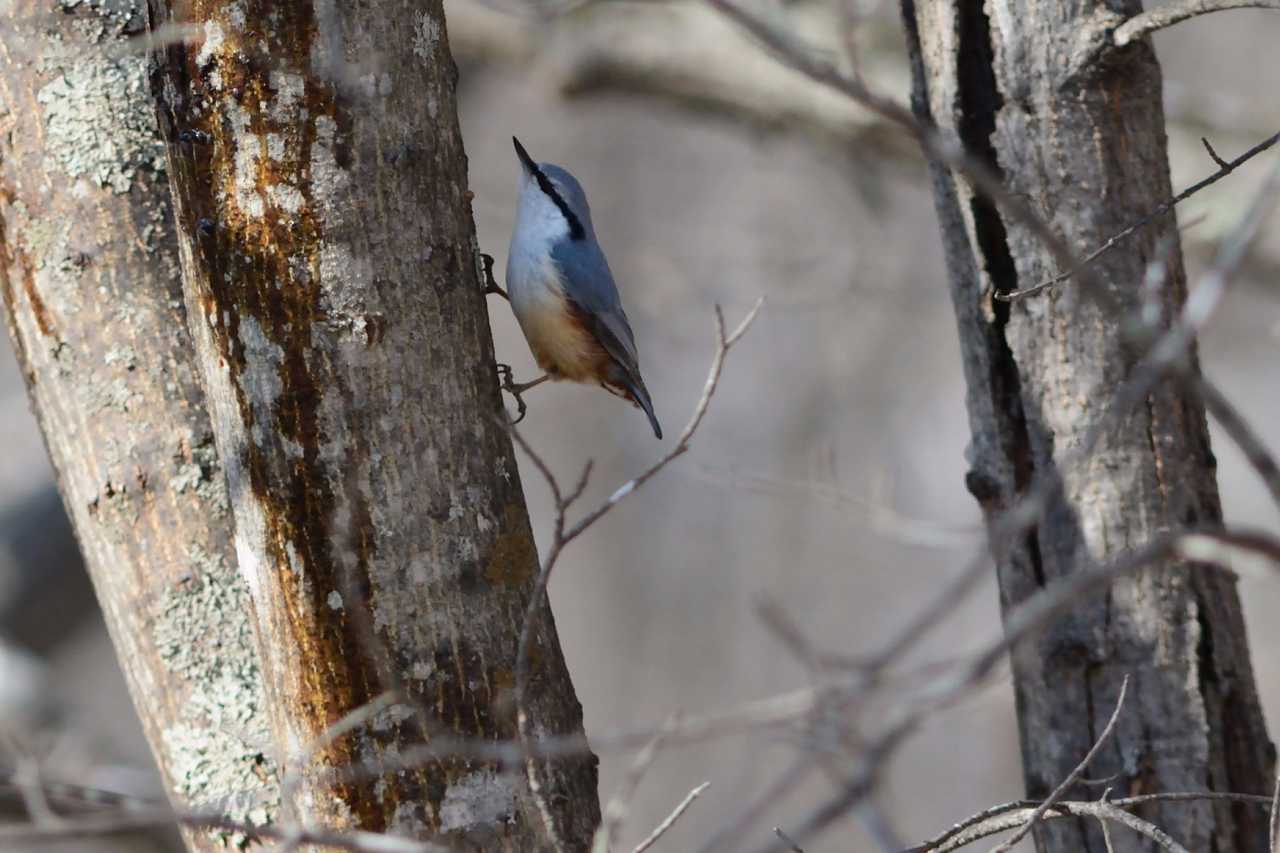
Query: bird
[{"x": 562, "y": 292}]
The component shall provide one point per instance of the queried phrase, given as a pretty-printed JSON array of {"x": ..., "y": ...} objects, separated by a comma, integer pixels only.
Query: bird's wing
[{"x": 588, "y": 284}]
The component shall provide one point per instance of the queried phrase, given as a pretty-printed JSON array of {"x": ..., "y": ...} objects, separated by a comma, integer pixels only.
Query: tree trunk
[
  {"x": 330, "y": 272},
  {"x": 1077, "y": 129},
  {"x": 93, "y": 302}
]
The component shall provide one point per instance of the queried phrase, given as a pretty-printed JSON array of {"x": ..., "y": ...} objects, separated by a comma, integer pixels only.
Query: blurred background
[{"x": 828, "y": 476}]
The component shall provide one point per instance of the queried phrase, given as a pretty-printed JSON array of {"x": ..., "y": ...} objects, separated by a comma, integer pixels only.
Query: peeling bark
[
  {"x": 92, "y": 296},
  {"x": 1079, "y": 133},
  {"x": 330, "y": 264}
]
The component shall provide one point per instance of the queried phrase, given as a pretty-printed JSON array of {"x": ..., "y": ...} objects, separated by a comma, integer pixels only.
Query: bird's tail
[{"x": 640, "y": 396}]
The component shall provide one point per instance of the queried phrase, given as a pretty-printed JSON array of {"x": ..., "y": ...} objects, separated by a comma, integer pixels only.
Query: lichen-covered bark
[
  {"x": 92, "y": 295},
  {"x": 1076, "y": 128},
  {"x": 331, "y": 277}
]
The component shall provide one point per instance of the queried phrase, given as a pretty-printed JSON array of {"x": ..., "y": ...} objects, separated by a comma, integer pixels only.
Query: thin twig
[
  {"x": 730, "y": 833},
  {"x": 1145, "y": 23},
  {"x": 620, "y": 804},
  {"x": 787, "y": 840},
  {"x": 347, "y": 723},
  {"x": 26, "y": 778},
  {"x": 878, "y": 826},
  {"x": 1106, "y": 826},
  {"x": 671, "y": 819},
  {"x": 1061, "y": 790},
  {"x": 1225, "y": 168},
  {"x": 1275, "y": 818}
]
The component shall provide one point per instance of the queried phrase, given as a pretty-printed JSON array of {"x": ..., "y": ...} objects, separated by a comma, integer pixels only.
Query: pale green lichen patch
[
  {"x": 218, "y": 752},
  {"x": 198, "y": 472},
  {"x": 98, "y": 115}
]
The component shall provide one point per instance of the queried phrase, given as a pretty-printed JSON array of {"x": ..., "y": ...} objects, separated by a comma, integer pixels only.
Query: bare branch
[
  {"x": 935, "y": 146},
  {"x": 671, "y": 818},
  {"x": 1146, "y": 23},
  {"x": 1072, "y": 777},
  {"x": 1203, "y": 546},
  {"x": 1239, "y": 431},
  {"x": 1225, "y": 168}
]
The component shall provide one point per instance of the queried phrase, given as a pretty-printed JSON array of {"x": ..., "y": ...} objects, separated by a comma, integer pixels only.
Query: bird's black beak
[{"x": 525, "y": 160}]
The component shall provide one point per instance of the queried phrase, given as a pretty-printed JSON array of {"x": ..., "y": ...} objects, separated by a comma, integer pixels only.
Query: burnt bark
[
  {"x": 1075, "y": 126},
  {"x": 92, "y": 298},
  {"x": 330, "y": 270}
]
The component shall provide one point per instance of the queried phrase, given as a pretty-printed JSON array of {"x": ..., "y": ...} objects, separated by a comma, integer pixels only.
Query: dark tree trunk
[
  {"x": 1076, "y": 128},
  {"x": 93, "y": 301},
  {"x": 330, "y": 273}
]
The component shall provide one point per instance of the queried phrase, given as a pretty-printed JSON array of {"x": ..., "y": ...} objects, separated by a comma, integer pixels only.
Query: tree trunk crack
[{"x": 979, "y": 102}]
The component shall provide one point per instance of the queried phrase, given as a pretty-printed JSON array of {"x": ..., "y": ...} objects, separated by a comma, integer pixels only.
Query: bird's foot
[
  {"x": 491, "y": 284},
  {"x": 516, "y": 389}
]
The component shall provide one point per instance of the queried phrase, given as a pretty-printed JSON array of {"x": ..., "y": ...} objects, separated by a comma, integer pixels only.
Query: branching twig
[
  {"x": 1106, "y": 826},
  {"x": 1148, "y": 22},
  {"x": 1100, "y": 810},
  {"x": 1072, "y": 777},
  {"x": 671, "y": 818},
  {"x": 563, "y": 534},
  {"x": 1008, "y": 815},
  {"x": 1224, "y": 168}
]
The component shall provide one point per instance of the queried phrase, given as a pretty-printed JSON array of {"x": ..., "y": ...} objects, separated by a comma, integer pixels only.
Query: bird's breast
[{"x": 553, "y": 326}]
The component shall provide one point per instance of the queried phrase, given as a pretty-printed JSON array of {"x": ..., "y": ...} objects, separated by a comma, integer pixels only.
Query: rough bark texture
[
  {"x": 92, "y": 295},
  {"x": 331, "y": 277},
  {"x": 1077, "y": 129}
]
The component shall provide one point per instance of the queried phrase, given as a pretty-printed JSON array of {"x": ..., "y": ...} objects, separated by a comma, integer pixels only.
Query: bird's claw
[
  {"x": 507, "y": 383},
  {"x": 490, "y": 283}
]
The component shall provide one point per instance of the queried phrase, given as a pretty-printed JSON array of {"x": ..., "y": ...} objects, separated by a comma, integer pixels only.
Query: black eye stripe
[{"x": 576, "y": 231}]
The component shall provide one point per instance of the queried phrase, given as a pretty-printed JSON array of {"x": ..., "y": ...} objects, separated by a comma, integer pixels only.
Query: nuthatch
[{"x": 562, "y": 292}]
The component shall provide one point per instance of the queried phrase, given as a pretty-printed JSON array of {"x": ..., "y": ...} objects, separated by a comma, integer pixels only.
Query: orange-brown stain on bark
[
  {"x": 263, "y": 265},
  {"x": 513, "y": 557},
  {"x": 16, "y": 257}
]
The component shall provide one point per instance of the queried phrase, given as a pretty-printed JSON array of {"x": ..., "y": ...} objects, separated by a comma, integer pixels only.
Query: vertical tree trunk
[
  {"x": 1077, "y": 129},
  {"x": 331, "y": 278},
  {"x": 93, "y": 302}
]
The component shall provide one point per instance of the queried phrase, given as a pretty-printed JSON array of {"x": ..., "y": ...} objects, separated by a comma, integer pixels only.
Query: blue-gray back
[{"x": 589, "y": 283}]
